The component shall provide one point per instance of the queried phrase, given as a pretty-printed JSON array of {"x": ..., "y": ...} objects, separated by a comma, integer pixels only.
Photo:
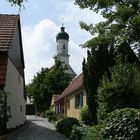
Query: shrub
[
  {"x": 65, "y": 125},
  {"x": 122, "y": 90},
  {"x": 50, "y": 114},
  {"x": 94, "y": 133},
  {"x": 84, "y": 115},
  {"x": 78, "y": 132},
  {"x": 123, "y": 124}
]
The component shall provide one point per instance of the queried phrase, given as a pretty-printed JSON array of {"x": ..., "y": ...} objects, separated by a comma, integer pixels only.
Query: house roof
[
  {"x": 8, "y": 25},
  {"x": 76, "y": 84}
]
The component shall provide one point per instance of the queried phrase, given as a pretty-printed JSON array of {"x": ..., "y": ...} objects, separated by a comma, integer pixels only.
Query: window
[
  {"x": 59, "y": 109},
  {"x": 79, "y": 100},
  {"x": 68, "y": 103},
  {"x": 64, "y": 47}
]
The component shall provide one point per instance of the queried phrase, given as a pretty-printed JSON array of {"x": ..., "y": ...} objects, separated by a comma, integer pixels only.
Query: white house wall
[{"x": 15, "y": 89}]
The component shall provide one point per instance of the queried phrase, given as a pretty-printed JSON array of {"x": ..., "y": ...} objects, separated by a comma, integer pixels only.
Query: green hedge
[
  {"x": 50, "y": 114},
  {"x": 65, "y": 125},
  {"x": 84, "y": 115},
  {"x": 94, "y": 133},
  {"x": 123, "y": 124},
  {"x": 78, "y": 132}
]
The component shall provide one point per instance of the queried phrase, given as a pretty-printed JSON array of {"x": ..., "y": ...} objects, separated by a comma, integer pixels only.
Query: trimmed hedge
[
  {"x": 50, "y": 114},
  {"x": 78, "y": 132},
  {"x": 123, "y": 124},
  {"x": 94, "y": 133},
  {"x": 65, "y": 125}
]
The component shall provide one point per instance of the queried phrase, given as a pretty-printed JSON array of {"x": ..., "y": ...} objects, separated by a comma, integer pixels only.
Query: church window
[{"x": 64, "y": 47}]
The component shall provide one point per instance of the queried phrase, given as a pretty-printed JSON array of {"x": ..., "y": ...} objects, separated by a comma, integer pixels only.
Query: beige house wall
[{"x": 71, "y": 110}]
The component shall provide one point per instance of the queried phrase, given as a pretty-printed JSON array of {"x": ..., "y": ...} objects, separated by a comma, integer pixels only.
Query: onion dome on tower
[
  {"x": 62, "y": 34},
  {"x": 62, "y": 39}
]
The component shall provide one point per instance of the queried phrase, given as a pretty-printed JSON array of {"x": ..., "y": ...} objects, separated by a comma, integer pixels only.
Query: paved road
[{"x": 37, "y": 129}]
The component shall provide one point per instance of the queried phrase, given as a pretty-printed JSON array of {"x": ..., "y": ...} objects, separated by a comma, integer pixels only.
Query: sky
[{"x": 40, "y": 22}]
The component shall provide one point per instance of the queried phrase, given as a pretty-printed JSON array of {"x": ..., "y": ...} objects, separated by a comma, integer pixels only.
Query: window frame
[{"x": 79, "y": 100}]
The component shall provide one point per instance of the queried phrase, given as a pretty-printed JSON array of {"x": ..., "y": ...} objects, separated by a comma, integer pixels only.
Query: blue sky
[{"x": 41, "y": 21}]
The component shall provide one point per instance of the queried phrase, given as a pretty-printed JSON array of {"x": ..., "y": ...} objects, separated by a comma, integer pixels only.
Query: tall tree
[
  {"x": 46, "y": 83},
  {"x": 58, "y": 78},
  {"x": 37, "y": 91},
  {"x": 98, "y": 61},
  {"x": 118, "y": 33}
]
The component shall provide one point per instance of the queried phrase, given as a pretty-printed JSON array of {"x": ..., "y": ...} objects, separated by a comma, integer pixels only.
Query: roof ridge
[
  {"x": 9, "y": 15},
  {"x": 75, "y": 84}
]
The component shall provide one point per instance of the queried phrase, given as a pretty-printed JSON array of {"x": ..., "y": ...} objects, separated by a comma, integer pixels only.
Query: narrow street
[{"x": 37, "y": 129}]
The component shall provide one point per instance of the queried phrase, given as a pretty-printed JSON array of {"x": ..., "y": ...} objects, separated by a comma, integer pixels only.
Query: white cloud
[
  {"x": 39, "y": 43},
  {"x": 39, "y": 46},
  {"x": 39, "y": 40}
]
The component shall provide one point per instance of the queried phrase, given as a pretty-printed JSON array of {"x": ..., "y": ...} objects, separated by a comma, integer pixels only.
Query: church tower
[{"x": 62, "y": 40}]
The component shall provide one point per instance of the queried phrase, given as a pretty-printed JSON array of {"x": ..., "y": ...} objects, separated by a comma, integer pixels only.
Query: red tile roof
[
  {"x": 3, "y": 68},
  {"x": 76, "y": 84},
  {"x": 8, "y": 25}
]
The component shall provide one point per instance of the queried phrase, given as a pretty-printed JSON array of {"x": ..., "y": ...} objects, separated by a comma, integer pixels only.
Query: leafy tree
[
  {"x": 121, "y": 91},
  {"x": 118, "y": 33},
  {"x": 58, "y": 78},
  {"x": 37, "y": 92},
  {"x": 46, "y": 83},
  {"x": 122, "y": 22},
  {"x": 16, "y": 2}
]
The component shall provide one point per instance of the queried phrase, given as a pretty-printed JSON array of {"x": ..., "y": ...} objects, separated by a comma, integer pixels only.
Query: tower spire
[
  {"x": 62, "y": 22},
  {"x": 62, "y": 28}
]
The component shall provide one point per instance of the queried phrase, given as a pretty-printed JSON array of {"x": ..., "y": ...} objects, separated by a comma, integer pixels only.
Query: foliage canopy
[
  {"x": 46, "y": 83},
  {"x": 120, "y": 91}
]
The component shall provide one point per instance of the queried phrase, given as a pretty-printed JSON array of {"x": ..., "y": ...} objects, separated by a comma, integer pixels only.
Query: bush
[
  {"x": 121, "y": 91},
  {"x": 94, "y": 133},
  {"x": 50, "y": 114},
  {"x": 123, "y": 124},
  {"x": 84, "y": 115},
  {"x": 78, "y": 132},
  {"x": 65, "y": 125}
]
